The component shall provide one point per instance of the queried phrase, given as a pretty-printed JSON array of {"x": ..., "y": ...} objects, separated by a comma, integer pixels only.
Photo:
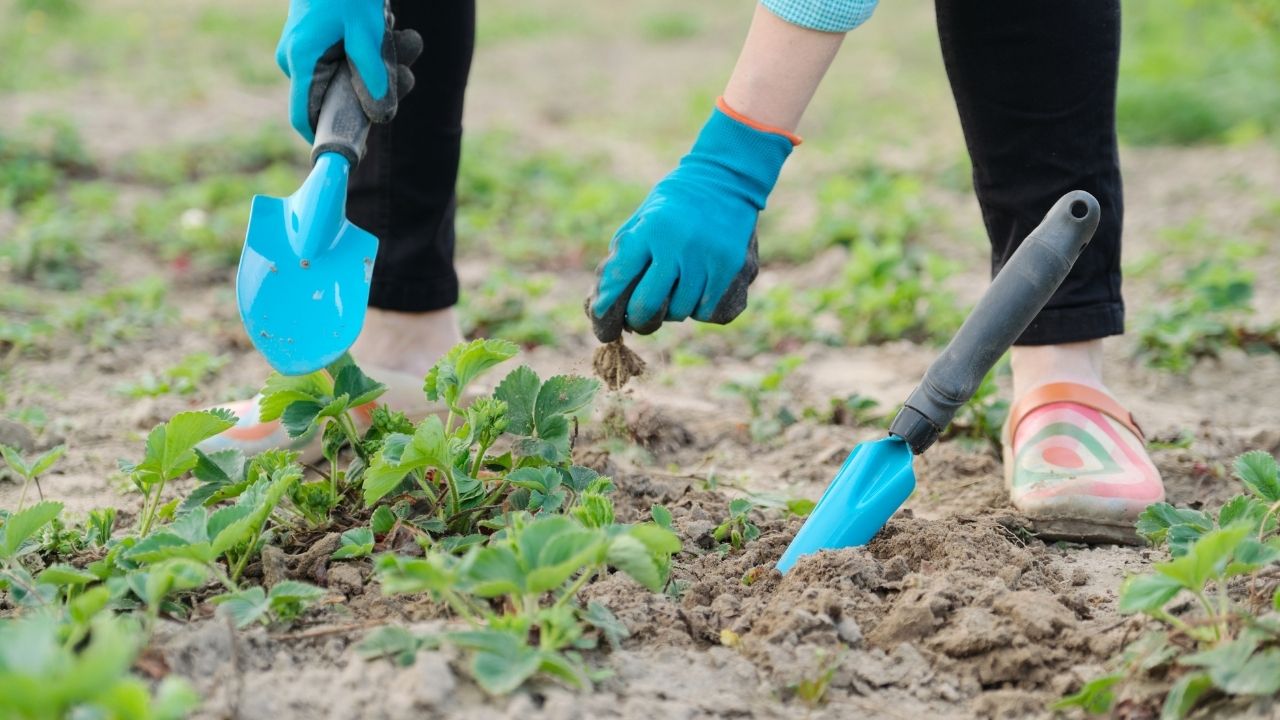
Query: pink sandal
[{"x": 1075, "y": 462}]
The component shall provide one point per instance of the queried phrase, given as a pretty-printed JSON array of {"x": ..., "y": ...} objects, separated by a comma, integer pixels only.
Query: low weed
[
  {"x": 1210, "y": 313},
  {"x": 767, "y": 400},
  {"x": 184, "y": 378},
  {"x": 1214, "y": 614},
  {"x": 508, "y": 305}
]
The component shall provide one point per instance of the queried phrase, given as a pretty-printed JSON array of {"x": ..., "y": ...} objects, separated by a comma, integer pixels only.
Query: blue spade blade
[
  {"x": 869, "y": 488},
  {"x": 303, "y": 282}
]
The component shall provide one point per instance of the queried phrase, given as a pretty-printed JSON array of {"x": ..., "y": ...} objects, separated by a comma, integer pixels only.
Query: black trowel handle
[
  {"x": 1016, "y": 295},
  {"x": 343, "y": 126}
]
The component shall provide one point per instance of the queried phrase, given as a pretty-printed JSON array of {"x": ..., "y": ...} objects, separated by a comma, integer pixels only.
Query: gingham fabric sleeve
[{"x": 824, "y": 15}]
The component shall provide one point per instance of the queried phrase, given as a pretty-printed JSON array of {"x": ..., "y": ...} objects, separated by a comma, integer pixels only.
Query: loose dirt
[{"x": 616, "y": 364}]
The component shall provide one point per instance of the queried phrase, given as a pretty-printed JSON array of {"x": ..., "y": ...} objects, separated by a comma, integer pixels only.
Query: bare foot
[{"x": 407, "y": 343}]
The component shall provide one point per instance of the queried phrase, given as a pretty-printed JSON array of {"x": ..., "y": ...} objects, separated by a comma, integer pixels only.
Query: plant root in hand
[{"x": 616, "y": 364}]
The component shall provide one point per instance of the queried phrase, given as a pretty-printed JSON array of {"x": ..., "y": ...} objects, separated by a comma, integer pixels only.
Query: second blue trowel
[
  {"x": 877, "y": 478},
  {"x": 303, "y": 283}
]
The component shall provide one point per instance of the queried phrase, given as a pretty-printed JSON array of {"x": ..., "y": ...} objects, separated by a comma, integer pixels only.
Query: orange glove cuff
[{"x": 723, "y": 107}]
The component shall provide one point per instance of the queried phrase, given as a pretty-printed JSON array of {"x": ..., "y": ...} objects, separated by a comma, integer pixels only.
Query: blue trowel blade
[
  {"x": 303, "y": 283},
  {"x": 869, "y": 488}
]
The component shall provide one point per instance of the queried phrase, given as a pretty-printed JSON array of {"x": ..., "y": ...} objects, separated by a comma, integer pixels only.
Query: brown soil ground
[{"x": 954, "y": 611}]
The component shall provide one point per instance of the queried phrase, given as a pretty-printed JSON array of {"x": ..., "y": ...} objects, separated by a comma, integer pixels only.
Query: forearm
[{"x": 779, "y": 70}]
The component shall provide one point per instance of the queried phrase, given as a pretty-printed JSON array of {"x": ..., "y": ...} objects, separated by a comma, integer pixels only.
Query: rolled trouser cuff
[{"x": 1058, "y": 326}]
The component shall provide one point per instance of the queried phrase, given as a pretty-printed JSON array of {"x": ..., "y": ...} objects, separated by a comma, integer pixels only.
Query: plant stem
[
  {"x": 151, "y": 507},
  {"x": 349, "y": 429},
  {"x": 459, "y": 606},
  {"x": 221, "y": 576},
  {"x": 479, "y": 462},
  {"x": 1210, "y": 611},
  {"x": 575, "y": 587},
  {"x": 22, "y": 498}
]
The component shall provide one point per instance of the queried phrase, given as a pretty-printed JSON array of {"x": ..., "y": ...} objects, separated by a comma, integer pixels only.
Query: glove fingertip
[
  {"x": 408, "y": 46},
  {"x": 404, "y": 80}
]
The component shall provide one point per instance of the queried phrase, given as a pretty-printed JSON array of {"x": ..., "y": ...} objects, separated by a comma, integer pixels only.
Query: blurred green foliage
[
  {"x": 539, "y": 207},
  {"x": 1199, "y": 71}
]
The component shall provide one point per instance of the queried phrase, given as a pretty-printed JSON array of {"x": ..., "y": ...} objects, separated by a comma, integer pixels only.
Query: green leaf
[
  {"x": 1249, "y": 555},
  {"x": 357, "y": 386},
  {"x": 299, "y": 418},
  {"x": 281, "y": 391},
  {"x": 63, "y": 574},
  {"x": 391, "y": 641},
  {"x": 173, "y": 576},
  {"x": 603, "y": 619},
  {"x": 630, "y": 555},
  {"x": 15, "y": 461},
  {"x": 561, "y": 556},
  {"x": 22, "y": 525},
  {"x": 1235, "y": 668},
  {"x": 661, "y": 516},
  {"x": 383, "y": 520},
  {"x": 563, "y": 395},
  {"x": 462, "y": 364},
  {"x": 174, "y": 700},
  {"x": 541, "y": 479},
  {"x": 1155, "y": 521},
  {"x": 1147, "y": 593},
  {"x": 502, "y": 661},
  {"x": 1096, "y": 697},
  {"x": 46, "y": 461},
  {"x": 288, "y": 598},
  {"x": 83, "y": 607},
  {"x": 1241, "y": 508},
  {"x": 355, "y": 543},
  {"x": 171, "y": 445},
  {"x": 659, "y": 540},
  {"x": 164, "y": 545},
  {"x": 1259, "y": 472},
  {"x": 493, "y": 571},
  {"x": 1206, "y": 559},
  {"x": 1184, "y": 694},
  {"x": 400, "y": 574},
  {"x": 519, "y": 390},
  {"x": 245, "y": 607},
  {"x": 801, "y": 507}
]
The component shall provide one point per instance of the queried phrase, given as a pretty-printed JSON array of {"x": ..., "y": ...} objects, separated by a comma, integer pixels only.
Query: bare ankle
[
  {"x": 1035, "y": 365},
  {"x": 406, "y": 342}
]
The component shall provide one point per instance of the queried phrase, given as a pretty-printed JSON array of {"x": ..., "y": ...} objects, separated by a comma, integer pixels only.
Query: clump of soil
[{"x": 616, "y": 364}]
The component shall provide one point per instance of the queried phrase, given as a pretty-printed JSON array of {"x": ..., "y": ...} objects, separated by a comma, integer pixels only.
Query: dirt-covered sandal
[
  {"x": 1075, "y": 462},
  {"x": 252, "y": 436}
]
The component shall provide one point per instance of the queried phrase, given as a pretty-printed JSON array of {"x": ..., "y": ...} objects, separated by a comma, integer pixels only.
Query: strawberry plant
[
  {"x": 517, "y": 591},
  {"x": 30, "y": 472},
  {"x": 1215, "y": 625}
]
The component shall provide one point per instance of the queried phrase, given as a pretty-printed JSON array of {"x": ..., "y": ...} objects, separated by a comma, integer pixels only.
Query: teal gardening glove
[
  {"x": 320, "y": 34},
  {"x": 690, "y": 249}
]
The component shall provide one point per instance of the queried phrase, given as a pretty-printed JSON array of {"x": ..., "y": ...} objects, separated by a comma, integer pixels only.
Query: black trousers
[
  {"x": 403, "y": 191},
  {"x": 1034, "y": 83}
]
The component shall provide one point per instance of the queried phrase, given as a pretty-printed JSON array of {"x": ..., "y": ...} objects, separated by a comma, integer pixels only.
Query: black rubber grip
[
  {"x": 343, "y": 127},
  {"x": 1018, "y": 292}
]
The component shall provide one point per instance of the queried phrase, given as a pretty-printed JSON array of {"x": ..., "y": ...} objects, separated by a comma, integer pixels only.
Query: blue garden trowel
[
  {"x": 877, "y": 478},
  {"x": 303, "y": 282}
]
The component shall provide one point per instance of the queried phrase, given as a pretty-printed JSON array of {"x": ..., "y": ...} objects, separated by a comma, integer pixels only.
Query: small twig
[{"x": 323, "y": 630}]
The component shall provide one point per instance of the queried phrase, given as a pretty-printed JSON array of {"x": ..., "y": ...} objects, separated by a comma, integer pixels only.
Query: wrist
[
  {"x": 731, "y": 153},
  {"x": 723, "y": 106}
]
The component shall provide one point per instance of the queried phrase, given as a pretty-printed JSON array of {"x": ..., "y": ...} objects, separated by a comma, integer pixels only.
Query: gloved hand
[
  {"x": 690, "y": 249},
  {"x": 319, "y": 34}
]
